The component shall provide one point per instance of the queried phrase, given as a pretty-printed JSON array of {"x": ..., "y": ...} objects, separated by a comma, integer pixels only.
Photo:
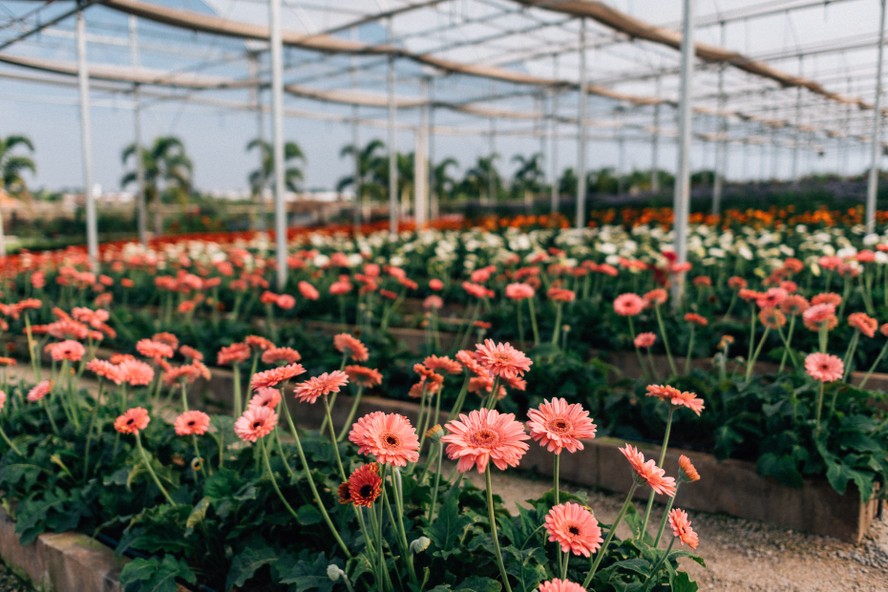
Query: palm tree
[
  {"x": 13, "y": 165},
  {"x": 483, "y": 179},
  {"x": 167, "y": 168},
  {"x": 263, "y": 177},
  {"x": 529, "y": 176},
  {"x": 372, "y": 170},
  {"x": 442, "y": 183}
]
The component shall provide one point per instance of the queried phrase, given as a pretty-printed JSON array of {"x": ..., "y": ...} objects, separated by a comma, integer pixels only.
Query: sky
[{"x": 215, "y": 137}]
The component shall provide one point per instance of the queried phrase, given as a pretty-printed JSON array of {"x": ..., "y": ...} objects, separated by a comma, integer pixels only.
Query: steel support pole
[
  {"x": 277, "y": 118},
  {"x": 434, "y": 198},
  {"x": 798, "y": 131},
  {"x": 872, "y": 188},
  {"x": 555, "y": 195},
  {"x": 581, "y": 135},
  {"x": 420, "y": 161},
  {"x": 491, "y": 181},
  {"x": 141, "y": 206},
  {"x": 392, "y": 149},
  {"x": 682, "y": 195},
  {"x": 541, "y": 98},
  {"x": 720, "y": 148},
  {"x": 92, "y": 234},
  {"x": 256, "y": 99},
  {"x": 358, "y": 206},
  {"x": 655, "y": 144}
]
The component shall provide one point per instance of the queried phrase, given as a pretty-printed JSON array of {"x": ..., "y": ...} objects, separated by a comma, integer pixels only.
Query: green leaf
[
  {"x": 155, "y": 575},
  {"x": 256, "y": 554},
  {"x": 838, "y": 475},
  {"x": 682, "y": 582},
  {"x": 479, "y": 584},
  {"x": 308, "y": 515},
  {"x": 308, "y": 575},
  {"x": 781, "y": 467},
  {"x": 449, "y": 525}
]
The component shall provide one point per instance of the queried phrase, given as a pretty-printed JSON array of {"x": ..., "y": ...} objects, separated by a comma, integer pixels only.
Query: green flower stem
[
  {"x": 687, "y": 366},
  {"x": 398, "y": 494},
  {"x": 9, "y": 442},
  {"x": 819, "y": 409},
  {"x": 52, "y": 422},
  {"x": 89, "y": 430},
  {"x": 433, "y": 503},
  {"x": 491, "y": 400},
  {"x": 280, "y": 449},
  {"x": 669, "y": 504},
  {"x": 650, "y": 503},
  {"x": 656, "y": 569},
  {"x": 849, "y": 354},
  {"x": 332, "y": 430},
  {"x": 351, "y": 415},
  {"x": 610, "y": 534},
  {"x": 533, "y": 322},
  {"x": 496, "y": 546},
  {"x": 556, "y": 331},
  {"x": 148, "y": 466},
  {"x": 461, "y": 397},
  {"x": 557, "y": 473},
  {"x": 520, "y": 322},
  {"x": 755, "y": 355},
  {"x": 238, "y": 399},
  {"x": 787, "y": 344},
  {"x": 311, "y": 483},
  {"x": 184, "y": 390},
  {"x": 263, "y": 452},
  {"x": 875, "y": 365},
  {"x": 635, "y": 347},
  {"x": 35, "y": 365},
  {"x": 665, "y": 340},
  {"x": 564, "y": 565}
]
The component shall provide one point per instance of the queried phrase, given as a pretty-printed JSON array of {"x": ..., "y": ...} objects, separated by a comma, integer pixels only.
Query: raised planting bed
[
  {"x": 60, "y": 562},
  {"x": 729, "y": 486}
]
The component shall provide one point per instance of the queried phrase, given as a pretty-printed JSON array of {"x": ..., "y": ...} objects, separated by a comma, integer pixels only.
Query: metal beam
[
  {"x": 277, "y": 118},
  {"x": 872, "y": 188},
  {"x": 682, "y": 195},
  {"x": 581, "y": 132},
  {"x": 92, "y": 234}
]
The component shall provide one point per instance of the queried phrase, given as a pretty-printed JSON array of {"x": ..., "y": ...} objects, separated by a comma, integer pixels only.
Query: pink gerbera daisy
[
  {"x": 351, "y": 346},
  {"x": 363, "y": 377},
  {"x": 266, "y": 397},
  {"x": 649, "y": 471},
  {"x": 133, "y": 421},
  {"x": 69, "y": 350},
  {"x": 387, "y": 436},
  {"x": 40, "y": 390},
  {"x": 276, "y": 355},
  {"x": 485, "y": 435},
  {"x": 824, "y": 367},
  {"x": 645, "y": 340},
  {"x": 105, "y": 369},
  {"x": 558, "y": 585},
  {"x": 319, "y": 386},
  {"x": 136, "y": 372},
  {"x": 154, "y": 349},
  {"x": 557, "y": 425},
  {"x": 192, "y": 423},
  {"x": 501, "y": 359},
  {"x": 255, "y": 423},
  {"x": 574, "y": 528},
  {"x": 275, "y": 376},
  {"x": 628, "y": 305}
]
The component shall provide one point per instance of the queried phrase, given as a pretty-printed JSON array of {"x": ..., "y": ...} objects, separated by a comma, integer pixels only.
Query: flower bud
[
  {"x": 334, "y": 572},
  {"x": 435, "y": 433},
  {"x": 419, "y": 545}
]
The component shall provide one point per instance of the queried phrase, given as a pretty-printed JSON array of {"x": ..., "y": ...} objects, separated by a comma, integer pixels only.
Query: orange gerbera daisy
[
  {"x": 365, "y": 485},
  {"x": 557, "y": 425},
  {"x": 681, "y": 527},
  {"x": 363, "y": 376},
  {"x": 649, "y": 471},
  {"x": 275, "y": 376},
  {"x": 133, "y": 421},
  {"x": 485, "y": 435},
  {"x": 351, "y": 346},
  {"x": 574, "y": 528},
  {"x": 688, "y": 468},
  {"x": 319, "y": 386},
  {"x": 192, "y": 423}
]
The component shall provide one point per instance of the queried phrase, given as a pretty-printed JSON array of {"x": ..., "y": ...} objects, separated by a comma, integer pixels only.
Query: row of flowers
[{"x": 103, "y": 463}]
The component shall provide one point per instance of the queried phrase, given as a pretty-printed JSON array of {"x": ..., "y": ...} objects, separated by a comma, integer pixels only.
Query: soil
[{"x": 744, "y": 555}]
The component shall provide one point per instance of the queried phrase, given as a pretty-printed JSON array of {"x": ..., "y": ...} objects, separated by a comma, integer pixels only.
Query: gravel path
[
  {"x": 747, "y": 556},
  {"x": 9, "y": 582}
]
